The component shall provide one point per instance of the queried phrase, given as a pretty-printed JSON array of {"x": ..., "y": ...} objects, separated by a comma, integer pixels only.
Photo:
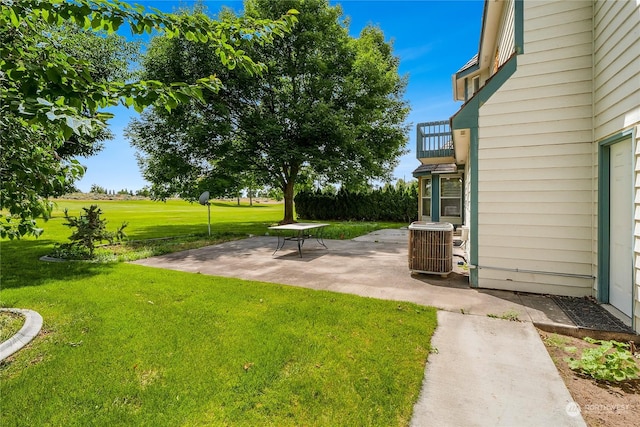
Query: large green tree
[
  {"x": 327, "y": 103},
  {"x": 51, "y": 99}
]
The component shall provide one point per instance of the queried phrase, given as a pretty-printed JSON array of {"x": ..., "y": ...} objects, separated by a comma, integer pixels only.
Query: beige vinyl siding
[
  {"x": 543, "y": 17},
  {"x": 467, "y": 193},
  {"x": 616, "y": 70},
  {"x": 535, "y": 160},
  {"x": 501, "y": 280},
  {"x": 467, "y": 205},
  {"x": 617, "y": 93},
  {"x": 500, "y": 137},
  {"x": 636, "y": 232},
  {"x": 506, "y": 37}
]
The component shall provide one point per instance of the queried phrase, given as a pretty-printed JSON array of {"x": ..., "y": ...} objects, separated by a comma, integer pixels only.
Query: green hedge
[{"x": 386, "y": 204}]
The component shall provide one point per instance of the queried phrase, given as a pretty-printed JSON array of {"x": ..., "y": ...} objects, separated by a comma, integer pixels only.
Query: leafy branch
[
  {"x": 56, "y": 86},
  {"x": 48, "y": 95}
]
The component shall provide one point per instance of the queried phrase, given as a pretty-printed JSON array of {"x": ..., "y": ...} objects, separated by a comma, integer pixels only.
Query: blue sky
[{"x": 432, "y": 38}]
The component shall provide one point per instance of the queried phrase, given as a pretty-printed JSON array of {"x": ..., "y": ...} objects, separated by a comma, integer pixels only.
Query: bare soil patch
[{"x": 602, "y": 403}]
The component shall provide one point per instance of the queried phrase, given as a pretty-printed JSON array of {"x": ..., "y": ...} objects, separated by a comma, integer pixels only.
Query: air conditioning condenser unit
[{"x": 431, "y": 247}]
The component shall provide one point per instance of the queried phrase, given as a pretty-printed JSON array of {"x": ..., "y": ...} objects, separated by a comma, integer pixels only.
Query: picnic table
[{"x": 300, "y": 232}]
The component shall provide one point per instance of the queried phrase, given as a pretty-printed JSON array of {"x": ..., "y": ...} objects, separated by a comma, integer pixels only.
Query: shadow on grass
[
  {"x": 20, "y": 265},
  {"x": 228, "y": 205},
  {"x": 169, "y": 230}
]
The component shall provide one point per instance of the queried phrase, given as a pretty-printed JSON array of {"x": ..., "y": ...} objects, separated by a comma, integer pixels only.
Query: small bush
[
  {"x": 70, "y": 251},
  {"x": 610, "y": 361},
  {"x": 90, "y": 230}
]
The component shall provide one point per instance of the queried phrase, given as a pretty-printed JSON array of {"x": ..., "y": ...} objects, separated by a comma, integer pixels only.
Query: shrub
[
  {"x": 90, "y": 229},
  {"x": 387, "y": 204},
  {"x": 610, "y": 361}
]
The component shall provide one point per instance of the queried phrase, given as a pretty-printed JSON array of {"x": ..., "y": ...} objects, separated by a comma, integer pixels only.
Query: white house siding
[
  {"x": 617, "y": 92},
  {"x": 467, "y": 205},
  {"x": 535, "y": 160},
  {"x": 506, "y": 37},
  {"x": 616, "y": 69},
  {"x": 636, "y": 233}
]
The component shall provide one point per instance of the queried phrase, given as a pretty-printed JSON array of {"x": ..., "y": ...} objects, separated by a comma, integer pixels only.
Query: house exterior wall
[
  {"x": 636, "y": 232},
  {"x": 467, "y": 206},
  {"x": 502, "y": 49},
  {"x": 467, "y": 194},
  {"x": 506, "y": 37},
  {"x": 616, "y": 97},
  {"x": 482, "y": 75},
  {"x": 616, "y": 70},
  {"x": 535, "y": 160}
]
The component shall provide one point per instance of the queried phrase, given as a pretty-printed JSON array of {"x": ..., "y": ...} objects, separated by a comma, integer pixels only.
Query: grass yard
[
  {"x": 128, "y": 345},
  {"x": 10, "y": 324},
  {"x": 148, "y": 219}
]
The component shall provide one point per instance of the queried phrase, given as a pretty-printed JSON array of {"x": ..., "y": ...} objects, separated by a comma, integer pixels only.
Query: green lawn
[
  {"x": 10, "y": 324},
  {"x": 129, "y": 345},
  {"x": 148, "y": 219}
]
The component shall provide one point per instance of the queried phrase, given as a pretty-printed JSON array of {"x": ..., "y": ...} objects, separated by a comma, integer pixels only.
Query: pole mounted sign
[{"x": 204, "y": 200}]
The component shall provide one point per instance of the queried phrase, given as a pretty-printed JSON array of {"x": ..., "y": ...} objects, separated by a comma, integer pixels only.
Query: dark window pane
[
  {"x": 426, "y": 207},
  {"x": 450, "y": 207}
]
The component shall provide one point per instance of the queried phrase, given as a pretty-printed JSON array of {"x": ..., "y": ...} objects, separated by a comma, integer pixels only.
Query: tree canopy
[
  {"x": 52, "y": 92},
  {"x": 327, "y": 103}
]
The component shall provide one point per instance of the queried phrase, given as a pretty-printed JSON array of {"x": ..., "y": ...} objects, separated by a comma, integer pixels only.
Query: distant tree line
[
  {"x": 97, "y": 189},
  {"x": 397, "y": 203}
]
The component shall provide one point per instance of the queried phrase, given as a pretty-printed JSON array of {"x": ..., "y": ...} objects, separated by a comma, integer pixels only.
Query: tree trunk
[{"x": 288, "y": 202}]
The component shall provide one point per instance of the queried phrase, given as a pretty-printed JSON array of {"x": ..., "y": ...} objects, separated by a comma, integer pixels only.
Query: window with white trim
[
  {"x": 426, "y": 197},
  {"x": 451, "y": 196}
]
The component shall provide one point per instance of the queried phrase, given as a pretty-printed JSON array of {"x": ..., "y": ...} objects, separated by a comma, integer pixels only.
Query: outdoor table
[{"x": 300, "y": 232}]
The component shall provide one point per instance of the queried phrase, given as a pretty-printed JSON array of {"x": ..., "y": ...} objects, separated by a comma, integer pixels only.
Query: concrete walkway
[
  {"x": 491, "y": 372},
  {"x": 487, "y": 372}
]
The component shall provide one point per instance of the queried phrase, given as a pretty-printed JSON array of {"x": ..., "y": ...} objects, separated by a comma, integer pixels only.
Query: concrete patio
[{"x": 375, "y": 266}]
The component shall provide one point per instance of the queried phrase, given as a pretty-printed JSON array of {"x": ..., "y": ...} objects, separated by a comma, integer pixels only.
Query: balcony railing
[{"x": 434, "y": 139}]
